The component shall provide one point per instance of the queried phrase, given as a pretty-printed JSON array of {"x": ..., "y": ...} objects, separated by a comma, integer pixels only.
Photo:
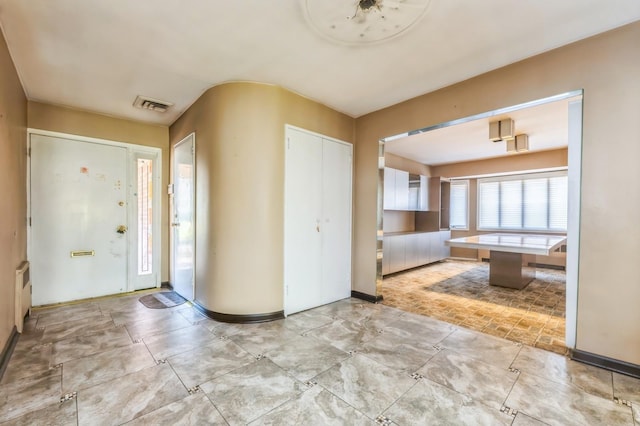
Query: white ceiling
[
  {"x": 99, "y": 55},
  {"x": 546, "y": 125}
]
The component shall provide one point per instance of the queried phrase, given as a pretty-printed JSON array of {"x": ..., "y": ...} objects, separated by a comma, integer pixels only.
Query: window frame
[{"x": 466, "y": 183}]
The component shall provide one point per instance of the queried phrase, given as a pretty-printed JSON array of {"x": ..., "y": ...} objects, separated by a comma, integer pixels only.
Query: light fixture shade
[
  {"x": 518, "y": 144},
  {"x": 494, "y": 131},
  {"x": 502, "y": 130},
  {"x": 507, "y": 129},
  {"x": 522, "y": 143},
  {"x": 363, "y": 21}
]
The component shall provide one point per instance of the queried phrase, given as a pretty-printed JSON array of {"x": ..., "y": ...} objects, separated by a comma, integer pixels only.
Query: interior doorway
[
  {"x": 83, "y": 208},
  {"x": 572, "y": 128}
]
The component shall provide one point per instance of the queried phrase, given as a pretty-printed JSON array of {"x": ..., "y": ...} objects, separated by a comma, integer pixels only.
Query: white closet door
[
  {"x": 336, "y": 221},
  {"x": 303, "y": 209},
  {"x": 318, "y": 185}
]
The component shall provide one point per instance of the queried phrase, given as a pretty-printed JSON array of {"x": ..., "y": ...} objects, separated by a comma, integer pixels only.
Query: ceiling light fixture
[
  {"x": 502, "y": 130},
  {"x": 518, "y": 144},
  {"x": 365, "y": 5},
  {"x": 373, "y": 20}
]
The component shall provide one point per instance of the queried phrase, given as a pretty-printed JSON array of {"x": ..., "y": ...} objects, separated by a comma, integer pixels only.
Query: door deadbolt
[
  {"x": 121, "y": 229},
  {"x": 121, "y": 203}
]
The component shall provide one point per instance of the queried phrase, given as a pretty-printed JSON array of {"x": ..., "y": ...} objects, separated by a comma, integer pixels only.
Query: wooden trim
[
  {"x": 5, "y": 356},
  {"x": 367, "y": 297},
  {"x": 239, "y": 319},
  {"x": 606, "y": 363}
]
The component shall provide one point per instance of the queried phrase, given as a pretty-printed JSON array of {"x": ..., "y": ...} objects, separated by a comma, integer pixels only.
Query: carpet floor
[{"x": 459, "y": 293}]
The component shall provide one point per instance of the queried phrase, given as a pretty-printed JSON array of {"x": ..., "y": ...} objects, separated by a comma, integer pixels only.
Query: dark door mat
[{"x": 165, "y": 299}]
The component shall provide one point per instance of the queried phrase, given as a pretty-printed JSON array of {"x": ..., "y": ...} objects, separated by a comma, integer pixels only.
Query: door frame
[
  {"x": 172, "y": 270},
  {"x": 574, "y": 172},
  {"x": 132, "y": 151}
]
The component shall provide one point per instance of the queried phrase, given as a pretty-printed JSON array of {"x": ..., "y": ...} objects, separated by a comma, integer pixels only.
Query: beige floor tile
[
  {"x": 58, "y": 414},
  {"x": 479, "y": 380},
  {"x": 128, "y": 397},
  {"x": 558, "y": 404},
  {"x": 195, "y": 409},
  {"x": 30, "y": 394}
]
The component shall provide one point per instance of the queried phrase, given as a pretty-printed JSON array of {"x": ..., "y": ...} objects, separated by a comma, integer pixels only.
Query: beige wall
[
  {"x": 83, "y": 123},
  {"x": 607, "y": 68},
  {"x": 239, "y": 132},
  {"x": 13, "y": 202},
  {"x": 508, "y": 163},
  {"x": 401, "y": 163}
]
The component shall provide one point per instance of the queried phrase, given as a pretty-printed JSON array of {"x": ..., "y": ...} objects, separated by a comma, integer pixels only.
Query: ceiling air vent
[{"x": 144, "y": 102}]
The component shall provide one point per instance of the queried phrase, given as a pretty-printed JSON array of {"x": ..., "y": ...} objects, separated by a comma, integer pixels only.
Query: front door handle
[{"x": 121, "y": 229}]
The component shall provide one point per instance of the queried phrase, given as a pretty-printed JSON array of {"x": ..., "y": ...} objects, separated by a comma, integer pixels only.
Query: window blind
[
  {"x": 525, "y": 202},
  {"x": 459, "y": 205}
]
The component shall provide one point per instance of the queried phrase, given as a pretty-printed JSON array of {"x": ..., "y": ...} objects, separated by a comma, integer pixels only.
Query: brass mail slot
[{"x": 83, "y": 253}]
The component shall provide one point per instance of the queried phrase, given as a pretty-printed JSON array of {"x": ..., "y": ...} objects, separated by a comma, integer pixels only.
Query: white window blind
[
  {"x": 533, "y": 202},
  {"x": 459, "y": 205}
]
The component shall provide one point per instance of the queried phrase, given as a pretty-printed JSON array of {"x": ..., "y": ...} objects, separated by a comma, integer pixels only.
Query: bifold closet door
[
  {"x": 317, "y": 258},
  {"x": 303, "y": 206},
  {"x": 336, "y": 221}
]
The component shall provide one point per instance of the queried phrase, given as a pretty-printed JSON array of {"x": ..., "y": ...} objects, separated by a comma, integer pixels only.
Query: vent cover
[{"x": 144, "y": 102}]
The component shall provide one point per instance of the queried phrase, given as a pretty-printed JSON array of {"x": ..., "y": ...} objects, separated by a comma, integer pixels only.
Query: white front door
[
  {"x": 78, "y": 242},
  {"x": 183, "y": 221}
]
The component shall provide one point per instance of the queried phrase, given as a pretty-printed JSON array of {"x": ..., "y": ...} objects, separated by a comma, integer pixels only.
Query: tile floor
[
  {"x": 459, "y": 293},
  {"x": 112, "y": 361}
]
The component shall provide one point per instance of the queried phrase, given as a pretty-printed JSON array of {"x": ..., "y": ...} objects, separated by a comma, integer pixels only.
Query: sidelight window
[{"x": 145, "y": 216}]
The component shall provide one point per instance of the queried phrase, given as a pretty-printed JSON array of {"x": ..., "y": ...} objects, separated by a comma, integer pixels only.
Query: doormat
[{"x": 165, "y": 299}]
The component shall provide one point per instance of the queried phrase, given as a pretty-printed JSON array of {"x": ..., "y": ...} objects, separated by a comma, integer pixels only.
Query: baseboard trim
[
  {"x": 166, "y": 284},
  {"x": 7, "y": 351},
  {"x": 367, "y": 297},
  {"x": 621, "y": 367},
  {"x": 547, "y": 266},
  {"x": 239, "y": 319}
]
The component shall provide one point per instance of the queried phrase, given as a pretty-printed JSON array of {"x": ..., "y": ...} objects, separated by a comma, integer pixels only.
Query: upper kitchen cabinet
[{"x": 405, "y": 191}]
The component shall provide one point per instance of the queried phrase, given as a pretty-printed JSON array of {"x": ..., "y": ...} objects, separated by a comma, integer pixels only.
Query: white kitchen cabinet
[
  {"x": 401, "y": 190},
  {"x": 444, "y": 250},
  {"x": 386, "y": 264},
  {"x": 318, "y": 200},
  {"x": 404, "y": 191},
  {"x": 434, "y": 248},
  {"x": 412, "y": 250},
  {"x": 389, "y": 197},
  {"x": 424, "y": 194},
  {"x": 395, "y": 249},
  {"x": 424, "y": 254},
  {"x": 406, "y": 251}
]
